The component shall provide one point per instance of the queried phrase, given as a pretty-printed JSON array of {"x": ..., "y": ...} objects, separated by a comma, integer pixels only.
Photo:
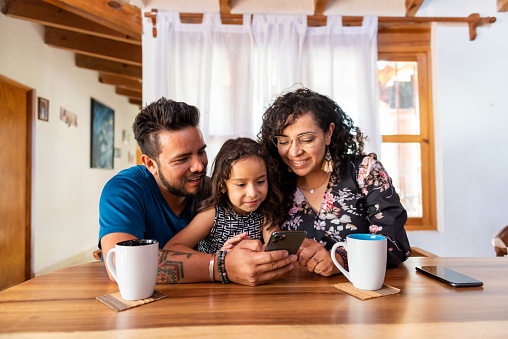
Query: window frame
[{"x": 414, "y": 46}]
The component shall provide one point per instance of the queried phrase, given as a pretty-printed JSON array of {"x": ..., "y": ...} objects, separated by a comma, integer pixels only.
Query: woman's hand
[
  {"x": 317, "y": 259},
  {"x": 233, "y": 241}
]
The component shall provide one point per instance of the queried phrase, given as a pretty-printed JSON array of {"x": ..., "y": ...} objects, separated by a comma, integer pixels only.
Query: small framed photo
[
  {"x": 126, "y": 137},
  {"x": 118, "y": 152},
  {"x": 43, "y": 111}
]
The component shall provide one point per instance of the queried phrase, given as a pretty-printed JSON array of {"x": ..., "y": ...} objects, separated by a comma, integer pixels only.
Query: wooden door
[{"x": 16, "y": 119}]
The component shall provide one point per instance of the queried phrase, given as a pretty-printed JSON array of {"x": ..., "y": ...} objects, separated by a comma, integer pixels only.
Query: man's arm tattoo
[
  {"x": 173, "y": 253},
  {"x": 170, "y": 272}
]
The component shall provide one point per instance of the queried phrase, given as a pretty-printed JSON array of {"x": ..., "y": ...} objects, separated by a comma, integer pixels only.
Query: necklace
[{"x": 312, "y": 190}]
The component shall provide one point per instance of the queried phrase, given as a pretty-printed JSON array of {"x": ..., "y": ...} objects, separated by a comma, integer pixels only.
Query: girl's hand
[
  {"x": 232, "y": 242},
  {"x": 317, "y": 259}
]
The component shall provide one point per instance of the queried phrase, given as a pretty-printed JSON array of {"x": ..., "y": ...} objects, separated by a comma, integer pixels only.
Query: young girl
[{"x": 243, "y": 203}]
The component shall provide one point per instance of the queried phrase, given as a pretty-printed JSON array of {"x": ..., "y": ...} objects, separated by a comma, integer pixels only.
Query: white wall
[
  {"x": 66, "y": 190},
  {"x": 470, "y": 88}
]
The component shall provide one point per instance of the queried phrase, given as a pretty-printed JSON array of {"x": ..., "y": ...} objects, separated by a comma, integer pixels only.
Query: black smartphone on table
[
  {"x": 449, "y": 276},
  {"x": 286, "y": 240}
]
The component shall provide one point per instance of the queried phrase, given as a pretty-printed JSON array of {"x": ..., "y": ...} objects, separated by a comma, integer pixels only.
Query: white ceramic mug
[
  {"x": 366, "y": 256},
  {"x": 136, "y": 267}
]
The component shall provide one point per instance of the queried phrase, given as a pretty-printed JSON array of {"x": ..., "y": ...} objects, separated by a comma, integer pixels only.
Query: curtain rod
[{"x": 474, "y": 20}]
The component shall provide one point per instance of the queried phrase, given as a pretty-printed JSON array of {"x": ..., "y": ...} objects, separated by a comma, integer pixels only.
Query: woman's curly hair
[
  {"x": 232, "y": 151},
  {"x": 347, "y": 139}
]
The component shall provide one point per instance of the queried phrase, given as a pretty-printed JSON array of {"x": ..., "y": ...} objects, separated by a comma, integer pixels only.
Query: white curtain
[
  {"x": 233, "y": 72},
  {"x": 340, "y": 62}
]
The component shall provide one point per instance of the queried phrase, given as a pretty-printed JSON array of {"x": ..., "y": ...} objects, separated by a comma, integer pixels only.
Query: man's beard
[{"x": 181, "y": 191}]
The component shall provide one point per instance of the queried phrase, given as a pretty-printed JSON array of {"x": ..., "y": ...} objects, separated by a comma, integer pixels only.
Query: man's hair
[{"x": 162, "y": 115}]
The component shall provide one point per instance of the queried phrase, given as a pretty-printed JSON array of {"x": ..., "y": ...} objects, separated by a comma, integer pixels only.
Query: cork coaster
[
  {"x": 118, "y": 304},
  {"x": 363, "y": 294}
]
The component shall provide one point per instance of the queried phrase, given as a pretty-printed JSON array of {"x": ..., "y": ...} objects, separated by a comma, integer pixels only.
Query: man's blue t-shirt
[{"x": 132, "y": 203}]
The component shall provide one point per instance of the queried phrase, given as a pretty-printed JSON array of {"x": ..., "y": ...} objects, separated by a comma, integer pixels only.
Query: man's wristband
[
  {"x": 221, "y": 265},
  {"x": 211, "y": 267}
]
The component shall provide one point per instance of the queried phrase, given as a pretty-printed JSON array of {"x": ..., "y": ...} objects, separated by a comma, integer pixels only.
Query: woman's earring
[
  {"x": 289, "y": 169},
  {"x": 328, "y": 163}
]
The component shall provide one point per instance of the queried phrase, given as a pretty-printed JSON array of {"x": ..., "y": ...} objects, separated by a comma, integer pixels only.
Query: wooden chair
[
  {"x": 500, "y": 242},
  {"x": 97, "y": 254},
  {"x": 418, "y": 252}
]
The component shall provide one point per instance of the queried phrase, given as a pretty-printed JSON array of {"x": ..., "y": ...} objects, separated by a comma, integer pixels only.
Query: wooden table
[{"x": 63, "y": 304}]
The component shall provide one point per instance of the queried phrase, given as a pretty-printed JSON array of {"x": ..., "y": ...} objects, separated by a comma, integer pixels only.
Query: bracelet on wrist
[
  {"x": 343, "y": 254},
  {"x": 211, "y": 267},
  {"x": 221, "y": 265}
]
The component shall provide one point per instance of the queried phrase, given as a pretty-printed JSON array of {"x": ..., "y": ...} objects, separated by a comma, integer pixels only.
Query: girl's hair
[
  {"x": 346, "y": 138},
  {"x": 230, "y": 153}
]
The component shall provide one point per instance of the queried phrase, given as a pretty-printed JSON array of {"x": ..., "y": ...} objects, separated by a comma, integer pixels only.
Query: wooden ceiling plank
[
  {"x": 412, "y": 6},
  {"x": 120, "y": 81},
  {"x": 94, "y": 46},
  {"x": 49, "y": 15},
  {"x": 320, "y": 7},
  {"x": 128, "y": 93},
  {"x": 139, "y": 103},
  {"x": 115, "y": 14},
  {"x": 502, "y": 5},
  {"x": 108, "y": 66}
]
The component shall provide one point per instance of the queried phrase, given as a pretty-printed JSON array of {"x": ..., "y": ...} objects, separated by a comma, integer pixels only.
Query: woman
[{"x": 331, "y": 189}]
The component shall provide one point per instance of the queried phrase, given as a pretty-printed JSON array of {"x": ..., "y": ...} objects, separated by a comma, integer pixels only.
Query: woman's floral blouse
[{"x": 363, "y": 200}]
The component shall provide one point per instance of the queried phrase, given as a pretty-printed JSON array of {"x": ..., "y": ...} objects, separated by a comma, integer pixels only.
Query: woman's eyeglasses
[{"x": 304, "y": 140}]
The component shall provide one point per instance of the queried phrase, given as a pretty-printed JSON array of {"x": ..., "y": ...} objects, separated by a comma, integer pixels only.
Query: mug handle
[
  {"x": 111, "y": 265},
  {"x": 339, "y": 266}
]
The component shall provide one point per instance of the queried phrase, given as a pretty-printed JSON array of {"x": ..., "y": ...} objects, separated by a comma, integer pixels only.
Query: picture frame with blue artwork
[{"x": 102, "y": 148}]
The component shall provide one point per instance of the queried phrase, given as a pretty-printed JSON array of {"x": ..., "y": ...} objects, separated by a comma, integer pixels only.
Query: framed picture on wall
[
  {"x": 43, "y": 109},
  {"x": 102, "y": 148}
]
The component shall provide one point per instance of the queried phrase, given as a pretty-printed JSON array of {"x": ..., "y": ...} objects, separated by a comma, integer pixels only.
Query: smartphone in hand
[
  {"x": 449, "y": 276},
  {"x": 286, "y": 240}
]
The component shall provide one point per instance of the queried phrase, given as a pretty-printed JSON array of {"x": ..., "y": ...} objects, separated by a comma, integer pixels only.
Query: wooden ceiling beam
[
  {"x": 115, "y": 14},
  {"x": 94, "y": 46},
  {"x": 108, "y": 66},
  {"x": 49, "y": 15},
  {"x": 136, "y": 102},
  {"x": 120, "y": 81},
  {"x": 129, "y": 93},
  {"x": 502, "y": 5},
  {"x": 225, "y": 6},
  {"x": 320, "y": 7},
  {"x": 412, "y": 6}
]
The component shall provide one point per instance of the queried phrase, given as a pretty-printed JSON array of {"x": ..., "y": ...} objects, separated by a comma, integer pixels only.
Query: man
[{"x": 157, "y": 199}]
